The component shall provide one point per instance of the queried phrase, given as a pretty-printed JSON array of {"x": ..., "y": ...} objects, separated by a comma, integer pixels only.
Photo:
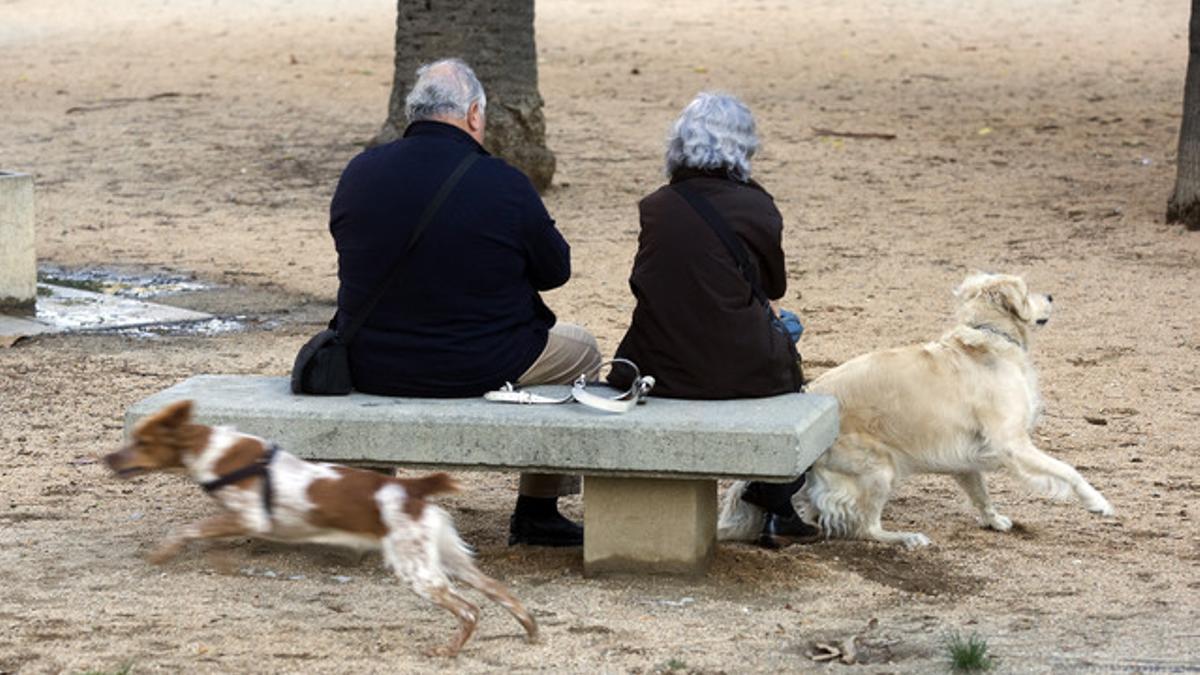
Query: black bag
[
  {"x": 725, "y": 233},
  {"x": 322, "y": 366}
]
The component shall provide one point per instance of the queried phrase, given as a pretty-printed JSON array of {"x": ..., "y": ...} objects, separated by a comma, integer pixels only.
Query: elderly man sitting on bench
[{"x": 463, "y": 315}]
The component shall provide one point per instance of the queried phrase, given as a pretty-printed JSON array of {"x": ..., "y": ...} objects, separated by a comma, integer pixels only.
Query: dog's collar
[
  {"x": 989, "y": 328},
  {"x": 258, "y": 468}
]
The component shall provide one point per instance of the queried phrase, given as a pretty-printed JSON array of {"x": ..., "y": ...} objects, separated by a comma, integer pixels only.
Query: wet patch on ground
[
  {"x": 125, "y": 283},
  {"x": 109, "y": 300}
]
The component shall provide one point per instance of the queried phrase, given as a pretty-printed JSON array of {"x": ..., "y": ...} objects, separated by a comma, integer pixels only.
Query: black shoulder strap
[
  {"x": 710, "y": 215},
  {"x": 725, "y": 233},
  {"x": 360, "y": 317}
]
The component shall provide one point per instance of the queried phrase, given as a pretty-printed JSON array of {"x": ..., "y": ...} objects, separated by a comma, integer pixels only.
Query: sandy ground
[{"x": 1031, "y": 137}]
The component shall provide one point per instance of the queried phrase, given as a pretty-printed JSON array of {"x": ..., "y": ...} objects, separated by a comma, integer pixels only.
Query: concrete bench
[{"x": 650, "y": 475}]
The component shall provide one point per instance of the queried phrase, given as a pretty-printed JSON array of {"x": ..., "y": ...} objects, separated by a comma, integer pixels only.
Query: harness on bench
[
  {"x": 260, "y": 467},
  {"x": 622, "y": 402}
]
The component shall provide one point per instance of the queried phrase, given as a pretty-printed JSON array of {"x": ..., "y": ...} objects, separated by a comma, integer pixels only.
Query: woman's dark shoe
[
  {"x": 791, "y": 526},
  {"x": 783, "y": 525},
  {"x": 543, "y": 530},
  {"x": 779, "y": 531}
]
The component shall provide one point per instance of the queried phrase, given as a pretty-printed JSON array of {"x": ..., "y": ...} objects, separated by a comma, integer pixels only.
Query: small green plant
[
  {"x": 968, "y": 654},
  {"x": 674, "y": 664}
]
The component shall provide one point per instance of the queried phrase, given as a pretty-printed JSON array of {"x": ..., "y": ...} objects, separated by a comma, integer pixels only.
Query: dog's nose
[{"x": 1049, "y": 298}]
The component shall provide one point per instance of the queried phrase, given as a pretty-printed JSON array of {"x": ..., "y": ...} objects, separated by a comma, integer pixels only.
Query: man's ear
[{"x": 475, "y": 117}]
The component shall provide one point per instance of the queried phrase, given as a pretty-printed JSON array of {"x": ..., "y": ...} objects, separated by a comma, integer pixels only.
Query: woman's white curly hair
[{"x": 715, "y": 131}]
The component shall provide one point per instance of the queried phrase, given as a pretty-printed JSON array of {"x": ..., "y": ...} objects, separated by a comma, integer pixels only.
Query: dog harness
[{"x": 258, "y": 468}]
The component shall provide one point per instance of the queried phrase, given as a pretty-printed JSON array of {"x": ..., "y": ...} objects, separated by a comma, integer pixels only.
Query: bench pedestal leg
[{"x": 648, "y": 525}]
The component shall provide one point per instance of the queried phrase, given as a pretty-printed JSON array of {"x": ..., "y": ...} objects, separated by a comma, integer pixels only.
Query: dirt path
[{"x": 1035, "y": 138}]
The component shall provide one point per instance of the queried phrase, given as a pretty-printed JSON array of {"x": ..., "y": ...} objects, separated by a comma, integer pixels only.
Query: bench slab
[{"x": 773, "y": 439}]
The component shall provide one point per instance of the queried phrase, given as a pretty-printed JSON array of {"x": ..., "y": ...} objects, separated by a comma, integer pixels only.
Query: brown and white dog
[
  {"x": 961, "y": 405},
  {"x": 271, "y": 494}
]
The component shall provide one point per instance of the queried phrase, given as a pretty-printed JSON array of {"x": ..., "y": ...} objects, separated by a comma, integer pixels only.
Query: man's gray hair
[
  {"x": 714, "y": 131},
  {"x": 444, "y": 88}
]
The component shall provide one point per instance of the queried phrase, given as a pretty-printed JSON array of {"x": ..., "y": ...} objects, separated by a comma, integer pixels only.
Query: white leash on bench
[{"x": 623, "y": 402}]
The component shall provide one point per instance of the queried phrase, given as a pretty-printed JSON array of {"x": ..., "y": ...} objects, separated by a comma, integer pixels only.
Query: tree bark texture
[
  {"x": 494, "y": 37},
  {"x": 1184, "y": 205}
]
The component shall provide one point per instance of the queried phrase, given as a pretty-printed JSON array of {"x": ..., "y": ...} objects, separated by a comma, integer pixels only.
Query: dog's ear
[
  {"x": 1012, "y": 294},
  {"x": 175, "y": 415},
  {"x": 972, "y": 286}
]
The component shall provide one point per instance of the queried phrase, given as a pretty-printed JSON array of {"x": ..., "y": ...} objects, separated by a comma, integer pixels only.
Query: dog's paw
[
  {"x": 998, "y": 522},
  {"x": 915, "y": 540},
  {"x": 1102, "y": 508}
]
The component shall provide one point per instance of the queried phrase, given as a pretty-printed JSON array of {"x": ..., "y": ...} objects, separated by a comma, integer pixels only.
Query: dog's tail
[
  {"x": 433, "y": 484},
  {"x": 739, "y": 520}
]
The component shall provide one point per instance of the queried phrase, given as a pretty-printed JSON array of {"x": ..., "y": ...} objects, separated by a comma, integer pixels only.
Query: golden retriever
[{"x": 962, "y": 405}]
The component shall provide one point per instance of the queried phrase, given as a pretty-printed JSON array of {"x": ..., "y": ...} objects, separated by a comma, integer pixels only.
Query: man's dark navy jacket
[{"x": 465, "y": 315}]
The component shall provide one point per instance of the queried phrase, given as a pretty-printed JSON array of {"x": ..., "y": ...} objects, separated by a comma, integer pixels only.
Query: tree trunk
[
  {"x": 494, "y": 37},
  {"x": 1184, "y": 205}
]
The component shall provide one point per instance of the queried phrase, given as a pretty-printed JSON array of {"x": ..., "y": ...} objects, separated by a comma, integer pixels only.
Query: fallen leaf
[{"x": 823, "y": 652}]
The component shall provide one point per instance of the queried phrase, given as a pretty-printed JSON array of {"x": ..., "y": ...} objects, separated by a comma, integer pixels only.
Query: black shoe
[
  {"x": 779, "y": 531},
  {"x": 544, "y": 530},
  {"x": 792, "y": 526}
]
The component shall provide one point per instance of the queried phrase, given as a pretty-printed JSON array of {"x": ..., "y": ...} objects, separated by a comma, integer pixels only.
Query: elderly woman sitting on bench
[{"x": 708, "y": 271}]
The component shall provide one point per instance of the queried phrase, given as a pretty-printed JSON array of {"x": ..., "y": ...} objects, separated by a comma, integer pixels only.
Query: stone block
[
  {"x": 648, "y": 525},
  {"x": 18, "y": 259}
]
